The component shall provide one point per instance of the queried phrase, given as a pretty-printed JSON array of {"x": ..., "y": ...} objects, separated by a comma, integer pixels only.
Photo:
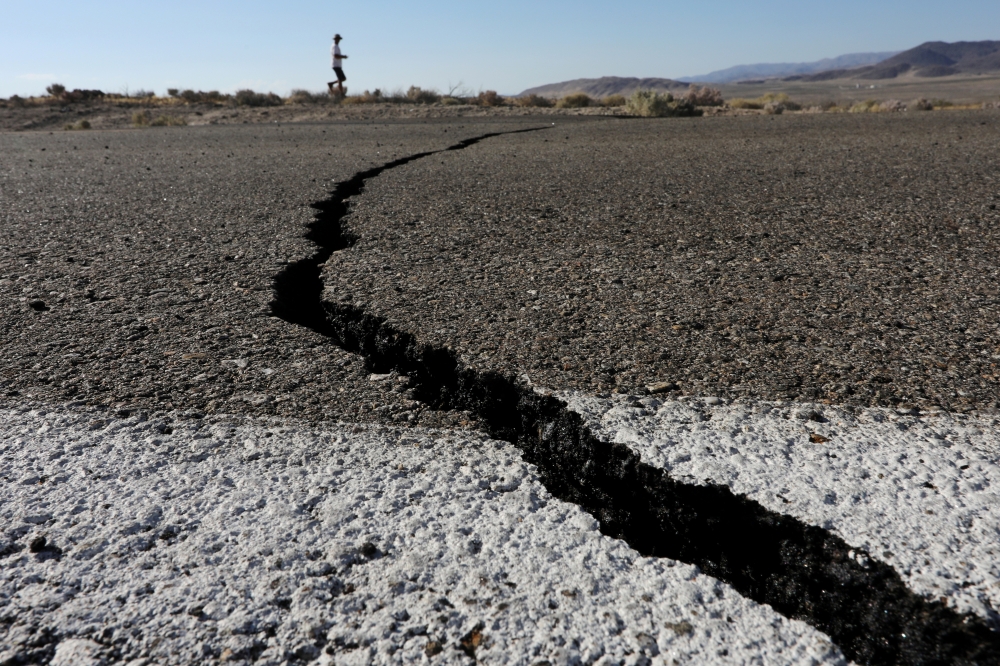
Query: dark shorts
[{"x": 340, "y": 73}]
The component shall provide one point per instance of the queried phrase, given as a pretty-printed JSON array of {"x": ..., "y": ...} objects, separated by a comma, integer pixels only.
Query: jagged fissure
[{"x": 803, "y": 571}]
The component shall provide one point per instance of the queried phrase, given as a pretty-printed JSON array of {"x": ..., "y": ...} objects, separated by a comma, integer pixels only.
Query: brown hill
[
  {"x": 933, "y": 59},
  {"x": 606, "y": 85}
]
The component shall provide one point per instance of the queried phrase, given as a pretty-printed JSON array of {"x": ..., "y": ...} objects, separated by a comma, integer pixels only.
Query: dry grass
[
  {"x": 613, "y": 101},
  {"x": 651, "y": 104},
  {"x": 533, "y": 101},
  {"x": 79, "y": 125},
  {"x": 574, "y": 101}
]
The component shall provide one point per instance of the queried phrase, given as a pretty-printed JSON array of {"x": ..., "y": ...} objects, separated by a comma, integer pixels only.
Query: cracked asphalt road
[
  {"x": 842, "y": 259},
  {"x": 136, "y": 268}
]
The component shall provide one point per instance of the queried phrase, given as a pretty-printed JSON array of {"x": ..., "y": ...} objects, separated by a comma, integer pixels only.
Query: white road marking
[
  {"x": 921, "y": 493},
  {"x": 240, "y": 536}
]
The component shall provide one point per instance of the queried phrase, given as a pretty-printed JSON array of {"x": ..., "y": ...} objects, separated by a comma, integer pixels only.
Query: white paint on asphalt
[
  {"x": 919, "y": 492},
  {"x": 234, "y": 538}
]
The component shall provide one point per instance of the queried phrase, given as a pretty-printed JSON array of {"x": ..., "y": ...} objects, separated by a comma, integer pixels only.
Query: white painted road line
[
  {"x": 920, "y": 493},
  {"x": 239, "y": 539}
]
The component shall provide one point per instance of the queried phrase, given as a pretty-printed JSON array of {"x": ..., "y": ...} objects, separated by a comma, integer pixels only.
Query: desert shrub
[
  {"x": 533, "y": 100},
  {"x": 920, "y": 104},
  {"x": 613, "y": 100},
  {"x": 651, "y": 104},
  {"x": 55, "y": 90},
  {"x": 78, "y": 95},
  {"x": 704, "y": 96},
  {"x": 173, "y": 92},
  {"x": 16, "y": 100},
  {"x": 451, "y": 101},
  {"x": 421, "y": 96},
  {"x": 168, "y": 121},
  {"x": 892, "y": 106},
  {"x": 490, "y": 98},
  {"x": 300, "y": 96},
  {"x": 867, "y": 106},
  {"x": 140, "y": 118},
  {"x": 210, "y": 97},
  {"x": 142, "y": 94},
  {"x": 251, "y": 98},
  {"x": 941, "y": 103},
  {"x": 80, "y": 125},
  {"x": 575, "y": 101},
  {"x": 769, "y": 102}
]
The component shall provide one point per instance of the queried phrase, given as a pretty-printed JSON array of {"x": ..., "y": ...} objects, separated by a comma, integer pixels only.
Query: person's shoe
[{"x": 329, "y": 87}]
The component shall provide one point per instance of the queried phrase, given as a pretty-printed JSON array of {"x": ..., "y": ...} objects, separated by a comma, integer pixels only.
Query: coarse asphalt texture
[{"x": 591, "y": 256}]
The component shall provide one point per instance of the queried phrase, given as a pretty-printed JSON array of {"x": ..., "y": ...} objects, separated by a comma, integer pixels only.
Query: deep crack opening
[{"x": 803, "y": 571}]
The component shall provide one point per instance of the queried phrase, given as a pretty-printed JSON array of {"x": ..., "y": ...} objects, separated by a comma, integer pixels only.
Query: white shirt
[{"x": 335, "y": 55}]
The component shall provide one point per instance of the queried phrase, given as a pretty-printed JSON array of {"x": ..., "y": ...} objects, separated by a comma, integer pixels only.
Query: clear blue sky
[{"x": 506, "y": 46}]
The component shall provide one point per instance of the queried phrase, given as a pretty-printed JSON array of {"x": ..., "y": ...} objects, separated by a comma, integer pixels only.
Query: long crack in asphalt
[{"x": 803, "y": 571}]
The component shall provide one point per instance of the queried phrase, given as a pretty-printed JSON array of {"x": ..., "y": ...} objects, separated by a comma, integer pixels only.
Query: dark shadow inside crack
[{"x": 804, "y": 572}]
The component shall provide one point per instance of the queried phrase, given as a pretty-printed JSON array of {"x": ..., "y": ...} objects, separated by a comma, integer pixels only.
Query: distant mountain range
[
  {"x": 785, "y": 69},
  {"x": 604, "y": 86},
  {"x": 938, "y": 59},
  {"x": 930, "y": 59}
]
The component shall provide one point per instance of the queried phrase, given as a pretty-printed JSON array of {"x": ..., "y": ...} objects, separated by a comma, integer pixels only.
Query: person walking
[{"x": 337, "y": 57}]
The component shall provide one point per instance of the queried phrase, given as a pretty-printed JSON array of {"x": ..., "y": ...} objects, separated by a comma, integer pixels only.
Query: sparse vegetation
[
  {"x": 533, "y": 101},
  {"x": 420, "y": 96},
  {"x": 300, "y": 96},
  {"x": 79, "y": 125},
  {"x": 251, "y": 98},
  {"x": 704, "y": 96},
  {"x": 575, "y": 101},
  {"x": 651, "y": 104},
  {"x": 921, "y": 105},
  {"x": 613, "y": 101},
  {"x": 490, "y": 98},
  {"x": 867, "y": 106},
  {"x": 140, "y": 118},
  {"x": 55, "y": 90}
]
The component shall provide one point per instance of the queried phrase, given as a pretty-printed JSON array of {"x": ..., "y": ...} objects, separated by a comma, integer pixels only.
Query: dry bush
[
  {"x": 613, "y": 100},
  {"x": 55, "y": 90},
  {"x": 452, "y": 101},
  {"x": 704, "y": 96},
  {"x": 80, "y": 125},
  {"x": 920, "y": 105},
  {"x": 250, "y": 98},
  {"x": 140, "y": 118},
  {"x": 941, "y": 103},
  {"x": 867, "y": 106},
  {"x": 651, "y": 104},
  {"x": 421, "y": 96},
  {"x": 210, "y": 97},
  {"x": 16, "y": 101},
  {"x": 300, "y": 96},
  {"x": 575, "y": 101},
  {"x": 772, "y": 103},
  {"x": 533, "y": 101},
  {"x": 892, "y": 106},
  {"x": 490, "y": 98}
]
